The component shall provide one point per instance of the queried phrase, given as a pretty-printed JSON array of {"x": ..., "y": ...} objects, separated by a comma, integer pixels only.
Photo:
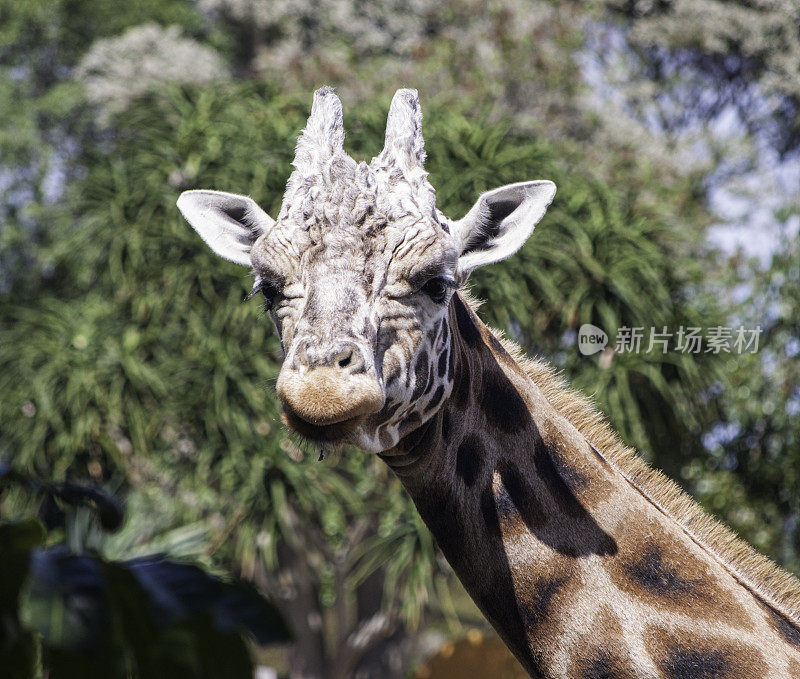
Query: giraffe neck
[{"x": 579, "y": 574}]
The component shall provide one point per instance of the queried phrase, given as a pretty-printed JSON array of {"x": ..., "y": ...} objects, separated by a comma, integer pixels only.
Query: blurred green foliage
[
  {"x": 59, "y": 31},
  {"x": 751, "y": 475}
]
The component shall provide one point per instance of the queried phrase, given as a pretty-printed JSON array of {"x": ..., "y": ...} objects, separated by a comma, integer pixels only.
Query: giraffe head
[{"x": 358, "y": 271}]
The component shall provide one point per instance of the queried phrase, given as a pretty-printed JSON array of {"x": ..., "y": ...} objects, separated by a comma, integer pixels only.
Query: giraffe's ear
[
  {"x": 500, "y": 223},
  {"x": 227, "y": 222}
]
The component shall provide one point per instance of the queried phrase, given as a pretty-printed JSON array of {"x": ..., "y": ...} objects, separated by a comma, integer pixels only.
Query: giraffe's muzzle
[{"x": 326, "y": 403}]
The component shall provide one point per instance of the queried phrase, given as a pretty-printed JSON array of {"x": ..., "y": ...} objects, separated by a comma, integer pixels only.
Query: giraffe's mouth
[
  {"x": 334, "y": 432},
  {"x": 325, "y": 405}
]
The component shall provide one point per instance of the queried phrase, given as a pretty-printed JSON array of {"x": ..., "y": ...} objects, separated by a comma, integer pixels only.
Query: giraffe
[{"x": 586, "y": 561}]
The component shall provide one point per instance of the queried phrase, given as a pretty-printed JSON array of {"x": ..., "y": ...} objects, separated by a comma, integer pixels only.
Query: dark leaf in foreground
[
  {"x": 179, "y": 591},
  {"x": 107, "y": 508}
]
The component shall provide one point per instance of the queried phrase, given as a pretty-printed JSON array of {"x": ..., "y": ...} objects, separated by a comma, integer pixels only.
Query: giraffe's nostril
[
  {"x": 343, "y": 355},
  {"x": 301, "y": 355},
  {"x": 347, "y": 357}
]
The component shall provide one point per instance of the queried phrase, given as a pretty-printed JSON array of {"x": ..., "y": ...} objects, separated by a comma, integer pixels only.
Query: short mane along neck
[{"x": 587, "y": 562}]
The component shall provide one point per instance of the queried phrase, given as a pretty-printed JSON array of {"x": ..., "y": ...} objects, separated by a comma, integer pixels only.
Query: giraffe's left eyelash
[
  {"x": 269, "y": 290},
  {"x": 257, "y": 285}
]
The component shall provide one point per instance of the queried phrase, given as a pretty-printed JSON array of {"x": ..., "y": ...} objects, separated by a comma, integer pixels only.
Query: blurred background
[{"x": 129, "y": 361}]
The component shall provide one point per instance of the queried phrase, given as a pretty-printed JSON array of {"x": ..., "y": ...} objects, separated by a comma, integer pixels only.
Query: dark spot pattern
[
  {"x": 521, "y": 495},
  {"x": 469, "y": 460},
  {"x": 503, "y": 406},
  {"x": 658, "y": 577},
  {"x": 788, "y": 630},
  {"x": 436, "y": 399},
  {"x": 442, "y": 367},
  {"x": 420, "y": 375},
  {"x": 689, "y": 656},
  {"x": 466, "y": 326},
  {"x": 389, "y": 410},
  {"x": 450, "y": 364},
  {"x": 685, "y": 663},
  {"x": 431, "y": 379},
  {"x": 535, "y": 610},
  {"x": 602, "y": 667},
  {"x": 603, "y": 653},
  {"x": 554, "y": 480}
]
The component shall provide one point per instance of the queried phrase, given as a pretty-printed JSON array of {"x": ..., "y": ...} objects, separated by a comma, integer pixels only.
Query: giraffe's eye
[
  {"x": 436, "y": 288},
  {"x": 266, "y": 288}
]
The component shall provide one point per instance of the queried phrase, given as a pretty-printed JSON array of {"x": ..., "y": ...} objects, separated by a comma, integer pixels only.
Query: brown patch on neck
[
  {"x": 785, "y": 628},
  {"x": 446, "y": 489},
  {"x": 666, "y": 575},
  {"x": 692, "y": 655}
]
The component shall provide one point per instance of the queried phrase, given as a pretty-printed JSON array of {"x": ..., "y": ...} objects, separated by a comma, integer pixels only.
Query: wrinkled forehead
[{"x": 357, "y": 220}]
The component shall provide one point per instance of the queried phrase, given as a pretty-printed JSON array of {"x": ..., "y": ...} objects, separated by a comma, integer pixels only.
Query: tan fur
[
  {"x": 753, "y": 570},
  {"x": 322, "y": 396}
]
